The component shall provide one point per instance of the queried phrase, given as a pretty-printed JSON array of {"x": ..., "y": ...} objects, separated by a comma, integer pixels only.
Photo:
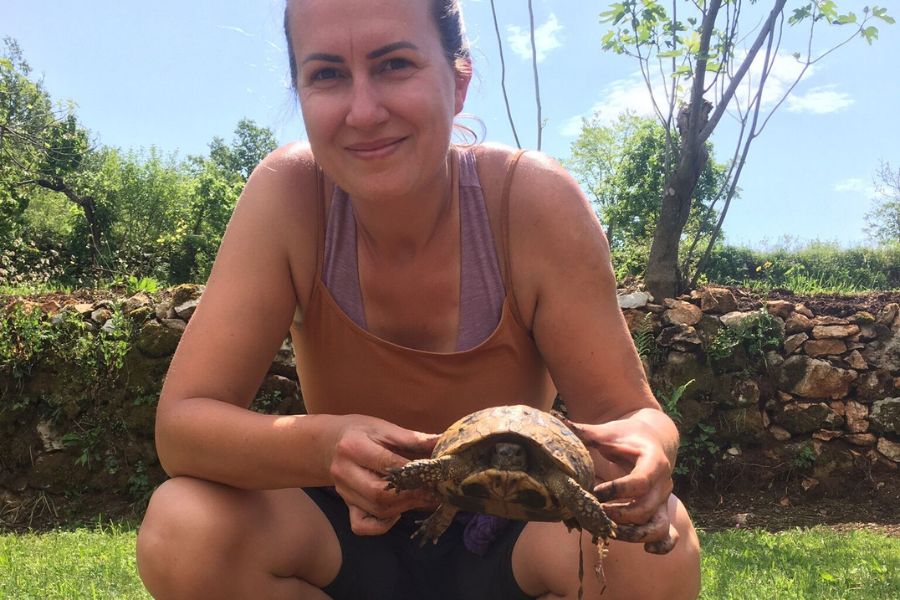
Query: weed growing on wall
[{"x": 755, "y": 335}]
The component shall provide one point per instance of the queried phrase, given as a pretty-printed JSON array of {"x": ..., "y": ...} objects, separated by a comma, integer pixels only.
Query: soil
[
  {"x": 874, "y": 509},
  {"x": 837, "y": 305}
]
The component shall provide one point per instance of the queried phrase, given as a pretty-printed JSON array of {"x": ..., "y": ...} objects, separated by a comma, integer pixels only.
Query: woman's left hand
[{"x": 636, "y": 480}]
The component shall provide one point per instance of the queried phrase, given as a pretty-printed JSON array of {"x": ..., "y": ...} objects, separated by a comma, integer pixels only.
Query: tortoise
[{"x": 516, "y": 462}]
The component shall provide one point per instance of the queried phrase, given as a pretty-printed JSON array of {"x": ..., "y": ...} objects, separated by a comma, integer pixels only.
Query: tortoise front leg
[
  {"x": 426, "y": 473},
  {"x": 584, "y": 506},
  {"x": 436, "y": 524}
]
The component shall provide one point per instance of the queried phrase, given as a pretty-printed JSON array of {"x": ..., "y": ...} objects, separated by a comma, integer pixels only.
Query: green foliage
[
  {"x": 27, "y": 337},
  {"x": 883, "y": 220},
  {"x": 755, "y": 335},
  {"x": 817, "y": 267},
  {"x": 622, "y": 167},
  {"x": 24, "y": 337},
  {"x": 111, "y": 214},
  {"x": 804, "y": 459},
  {"x": 98, "y": 356},
  {"x": 696, "y": 450},
  {"x": 645, "y": 341},
  {"x": 669, "y": 401}
]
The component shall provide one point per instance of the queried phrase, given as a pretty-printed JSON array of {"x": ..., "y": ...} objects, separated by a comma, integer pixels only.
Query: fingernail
[{"x": 605, "y": 492}]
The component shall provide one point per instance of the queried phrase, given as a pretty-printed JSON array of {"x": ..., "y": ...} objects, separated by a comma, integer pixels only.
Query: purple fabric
[
  {"x": 340, "y": 269},
  {"x": 481, "y": 531},
  {"x": 481, "y": 284}
]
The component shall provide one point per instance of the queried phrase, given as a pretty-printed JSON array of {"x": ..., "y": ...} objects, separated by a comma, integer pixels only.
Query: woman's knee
[
  {"x": 188, "y": 525},
  {"x": 676, "y": 574}
]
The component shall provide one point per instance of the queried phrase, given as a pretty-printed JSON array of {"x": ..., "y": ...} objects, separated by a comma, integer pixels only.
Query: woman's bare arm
[
  {"x": 203, "y": 428},
  {"x": 561, "y": 266}
]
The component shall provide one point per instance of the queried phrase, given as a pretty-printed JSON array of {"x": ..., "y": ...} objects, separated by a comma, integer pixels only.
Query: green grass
[
  {"x": 72, "y": 565},
  {"x": 738, "y": 564},
  {"x": 811, "y": 563}
]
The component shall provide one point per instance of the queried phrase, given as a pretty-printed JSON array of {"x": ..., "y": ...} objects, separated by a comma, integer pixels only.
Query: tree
[
  {"x": 251, "y": 143},
  {"x": 218, "y": 181},
  {"x": 883, "y": 221},
  {"x": 696, "y": 56},
  {"x": 41, "y": 146},
  {"x": 620, "y": 167}
]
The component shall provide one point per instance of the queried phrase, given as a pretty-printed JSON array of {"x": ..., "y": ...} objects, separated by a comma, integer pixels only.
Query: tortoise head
[{"x": 508, "y": 456}]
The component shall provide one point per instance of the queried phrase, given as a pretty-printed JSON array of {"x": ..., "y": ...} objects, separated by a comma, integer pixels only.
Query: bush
[{"x": 814, "y": 268}]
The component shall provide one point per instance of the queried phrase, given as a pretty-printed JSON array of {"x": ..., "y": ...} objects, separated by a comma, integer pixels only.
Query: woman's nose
[{"x": 366, "y": 106}]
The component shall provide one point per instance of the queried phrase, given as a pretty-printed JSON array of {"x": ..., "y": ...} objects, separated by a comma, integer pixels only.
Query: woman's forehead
[{"x": 360, "y": 25}]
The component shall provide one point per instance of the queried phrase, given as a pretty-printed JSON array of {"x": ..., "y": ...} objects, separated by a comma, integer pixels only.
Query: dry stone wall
[{"x": 816, "y": 397}]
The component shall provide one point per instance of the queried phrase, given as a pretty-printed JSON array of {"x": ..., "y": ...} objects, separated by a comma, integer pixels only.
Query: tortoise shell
[{"x": 545, "y": 435}]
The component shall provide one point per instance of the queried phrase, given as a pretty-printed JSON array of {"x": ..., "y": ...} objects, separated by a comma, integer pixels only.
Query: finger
[
  {"x": 363, "y": 488},
  {"x": 639, "y": 482},
  {"x": 408, "y": 443},
  {"x": 655, "y": 530},
  {"x": 663, "y": 546},
  {"x": 642, "y": 509},
  {"x": 602, "y": 436},
  {"x": 365, "y": 523}
]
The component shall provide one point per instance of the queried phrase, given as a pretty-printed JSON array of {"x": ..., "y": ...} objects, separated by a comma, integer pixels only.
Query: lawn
[{"x": 812, "y": 563}]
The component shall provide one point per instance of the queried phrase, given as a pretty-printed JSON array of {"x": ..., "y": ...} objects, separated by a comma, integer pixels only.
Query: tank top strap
[
  {"x": 320, "y": 221},
  {"x": 504, "y": 238}
]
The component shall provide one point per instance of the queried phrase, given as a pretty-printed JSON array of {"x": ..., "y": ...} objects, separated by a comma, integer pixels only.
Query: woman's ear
[{"x": 463, "y": 77}]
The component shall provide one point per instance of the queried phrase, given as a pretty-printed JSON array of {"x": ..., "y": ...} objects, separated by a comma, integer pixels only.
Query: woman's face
[{"x": 377, "y": 93}]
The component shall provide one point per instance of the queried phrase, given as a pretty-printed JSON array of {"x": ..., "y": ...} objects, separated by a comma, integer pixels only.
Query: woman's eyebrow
[
  {"x": 322, "y": 56},
  {"x": 373, "y": 54},
  {"x": 390, "y": 48}
]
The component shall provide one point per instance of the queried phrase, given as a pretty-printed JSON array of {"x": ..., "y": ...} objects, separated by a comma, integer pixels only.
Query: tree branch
[
  {"x": 537, "y": 87},
  {"x": 742, "y": 70},
  {"x": 503, "y": 76}
]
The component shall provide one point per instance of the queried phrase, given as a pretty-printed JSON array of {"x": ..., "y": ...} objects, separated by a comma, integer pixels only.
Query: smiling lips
[{"x": 375, "y": 149}]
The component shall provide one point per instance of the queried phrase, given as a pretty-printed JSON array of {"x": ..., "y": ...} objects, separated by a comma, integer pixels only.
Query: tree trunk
[
  {"x": 663, "y": 278},
  {"x": 90, "y": 214}
]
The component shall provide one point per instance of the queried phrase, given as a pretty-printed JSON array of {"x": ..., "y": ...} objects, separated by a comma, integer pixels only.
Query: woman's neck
[{"x": 401, "y": 228}]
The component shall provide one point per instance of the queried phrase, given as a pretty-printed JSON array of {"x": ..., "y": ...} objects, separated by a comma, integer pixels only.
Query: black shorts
[{"x": 393, "y": 566}]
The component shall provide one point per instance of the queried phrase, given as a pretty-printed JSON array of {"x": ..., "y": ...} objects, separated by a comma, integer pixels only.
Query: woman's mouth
[{"x": 379, "y": 148}]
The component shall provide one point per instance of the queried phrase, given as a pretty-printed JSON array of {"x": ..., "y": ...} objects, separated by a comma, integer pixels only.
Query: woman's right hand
[{"x": 364, "y": 449}]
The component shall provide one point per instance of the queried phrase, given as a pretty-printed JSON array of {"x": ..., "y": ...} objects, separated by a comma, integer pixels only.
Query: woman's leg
[
  {"x": 206, "y": 540},
  {"x": 545, "y": 564}
]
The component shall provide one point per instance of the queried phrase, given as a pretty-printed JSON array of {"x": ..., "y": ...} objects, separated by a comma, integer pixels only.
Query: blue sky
[{"x": 173, "y": 74}]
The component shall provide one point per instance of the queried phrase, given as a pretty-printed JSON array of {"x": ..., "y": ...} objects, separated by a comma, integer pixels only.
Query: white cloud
[
  {"x": 546, "y": 38},
  {"x": 631, "y": 94},
  {"x": 819, "y": 100},
  {"x": 855, "y": 185},
  {"x": 617, "y": 97}
]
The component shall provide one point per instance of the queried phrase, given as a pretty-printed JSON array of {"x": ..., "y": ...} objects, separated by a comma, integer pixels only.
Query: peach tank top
[{"x": 345, "y": 369}]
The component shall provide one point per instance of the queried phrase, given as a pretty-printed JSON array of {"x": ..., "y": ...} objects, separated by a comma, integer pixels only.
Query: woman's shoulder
[
  {"x": 540, "y": 184},
  {"x": 287, "y": 174}
]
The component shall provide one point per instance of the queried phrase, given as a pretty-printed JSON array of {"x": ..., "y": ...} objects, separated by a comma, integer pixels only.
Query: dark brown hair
[{"x": 448, "y": 18}]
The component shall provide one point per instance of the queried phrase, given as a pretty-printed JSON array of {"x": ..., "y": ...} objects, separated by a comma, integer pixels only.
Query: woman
[{"x": 420, "y": 282}]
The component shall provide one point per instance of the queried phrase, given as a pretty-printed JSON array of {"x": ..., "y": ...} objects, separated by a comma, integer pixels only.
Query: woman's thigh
[
  {"x": 546, "y": 562},
  {"x": 200, "y": 537}
]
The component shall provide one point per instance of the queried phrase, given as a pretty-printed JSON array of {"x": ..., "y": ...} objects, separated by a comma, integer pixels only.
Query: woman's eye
[
  {"x": 325, "y": 75},
  {"x": 396, "y": 64}
]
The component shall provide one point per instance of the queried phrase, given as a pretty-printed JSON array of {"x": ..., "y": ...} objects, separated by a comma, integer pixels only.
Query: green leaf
[
  {"x": 670, "y": 54},
  {"x": 870, "y": 33},
  {"x": 845, "y": 19}
]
